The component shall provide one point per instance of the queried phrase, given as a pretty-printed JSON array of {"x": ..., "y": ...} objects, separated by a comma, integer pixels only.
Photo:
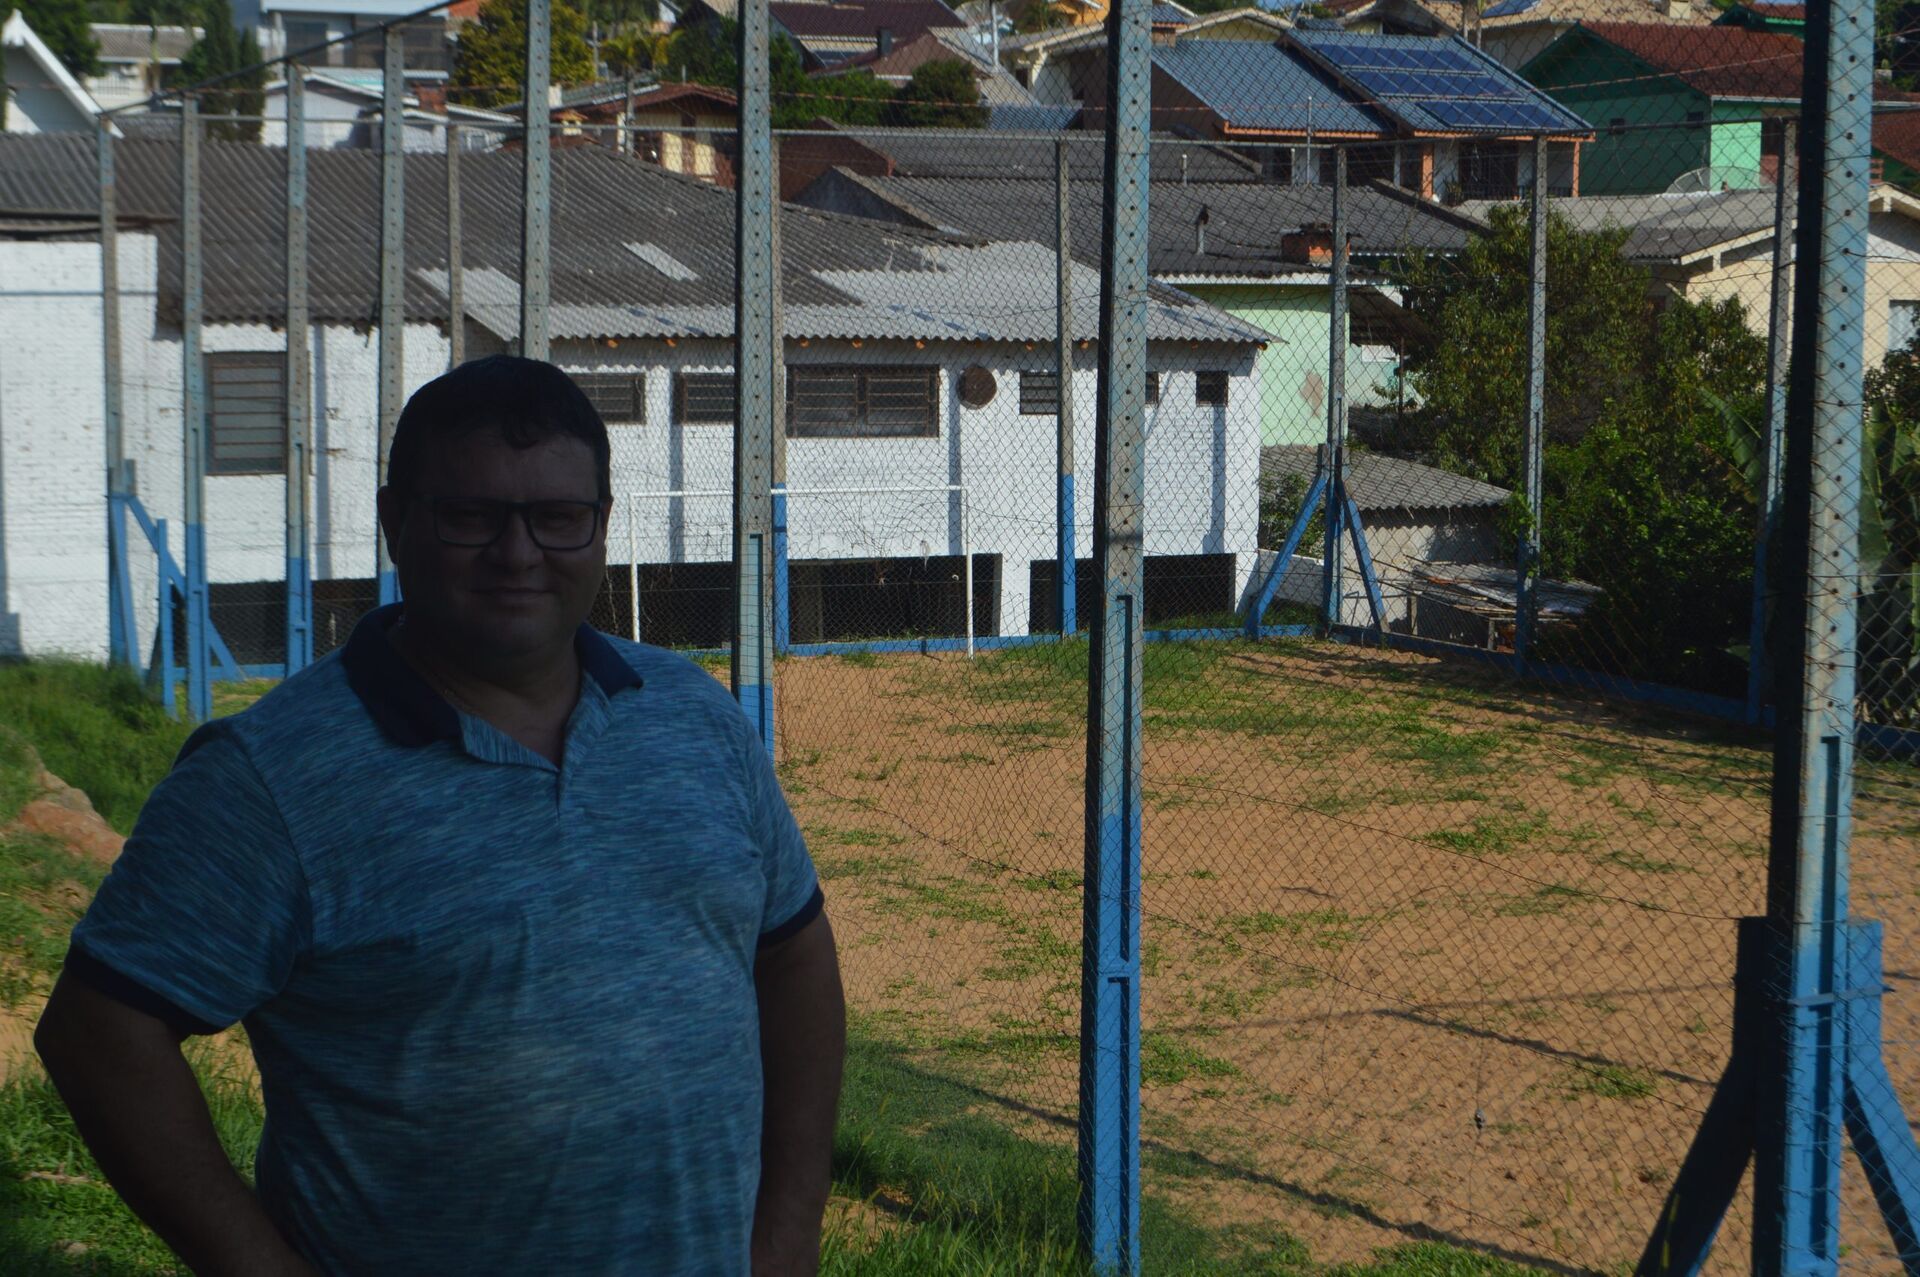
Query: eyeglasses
[{"x": 474, "y": 524}]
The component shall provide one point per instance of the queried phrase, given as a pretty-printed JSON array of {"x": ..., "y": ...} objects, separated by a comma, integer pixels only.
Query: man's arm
[
  {"x": 138, "y": 1106},
  {"x": 803, "y": 1041}
]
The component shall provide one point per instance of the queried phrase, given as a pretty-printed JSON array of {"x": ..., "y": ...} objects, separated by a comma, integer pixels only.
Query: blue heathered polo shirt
[{"x": 504, "y": 1012}]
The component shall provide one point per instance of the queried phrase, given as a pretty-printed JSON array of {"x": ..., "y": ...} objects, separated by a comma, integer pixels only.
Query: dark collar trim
[{"x": 410, "y": 712}]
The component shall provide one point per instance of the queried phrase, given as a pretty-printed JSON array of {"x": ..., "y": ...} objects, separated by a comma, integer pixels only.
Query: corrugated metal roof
[
  {"x": 964, "y": 292},
  {"x": 905, "y": 18},
  {"x": 1245, "y": 221},
  {"x": 137, "y": 42},
  {"x": 1376, "y": 481},
  {"x": 952, "y": 155},
  {"x": 1662, "y": 228},
  {"x": 1258, "y": 84},
  {"x": 840, "y": 275}
]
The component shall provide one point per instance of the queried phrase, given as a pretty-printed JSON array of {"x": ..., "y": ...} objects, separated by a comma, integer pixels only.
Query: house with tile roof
[
  {"x": 1431, "y": 114},
  {"x": 1677, "y": 107},
  {"x": 1055, "y": 65},
  {"x": 1513, "y": 31},
  {"x": 1258, "y": 250},
  {"x": 1765, "y": 15},
  {"x": 895, "y": 64},
  {"x": 919, "y": 426},
  {"x": 831, "y": 32}
]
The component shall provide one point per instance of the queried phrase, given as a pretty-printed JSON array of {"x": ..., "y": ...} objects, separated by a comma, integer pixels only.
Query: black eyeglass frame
[{"x": 504, "y": 512}]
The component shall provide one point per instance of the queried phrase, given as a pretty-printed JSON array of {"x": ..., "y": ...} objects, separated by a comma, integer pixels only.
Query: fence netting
[{"x": 1441, "y": 864}]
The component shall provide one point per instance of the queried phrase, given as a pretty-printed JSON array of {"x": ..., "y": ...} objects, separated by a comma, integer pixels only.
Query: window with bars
[
  {"x": 704, "y": 398},
  {"x": 855, "y": 402},
  {"x": 1039, "y": 394},
  {"x": 1210, "y": 389},
  {"x": 619, "y": 397},
  {"x": 246, "y": 412}
]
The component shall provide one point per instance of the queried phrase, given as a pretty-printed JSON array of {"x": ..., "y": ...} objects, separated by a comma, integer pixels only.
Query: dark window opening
[
  {"x": 1210, "y": 389},
  {"x": 1153, "y": 388},
  {"x": 841, "y": 600},
  {"x": 246, "y": 413},
  {"x": 1617, "y": 125},
  {"x": 619, "y": 397},
  {"x": 1366, "y": 163},
  {"x": 1181, "y": 589},
  {"x": 852, "y": 402},
  {"x": 704, "y": 398},
  {"x": 1039, "y": 394},
  {"x": 1489, "y": 170}
]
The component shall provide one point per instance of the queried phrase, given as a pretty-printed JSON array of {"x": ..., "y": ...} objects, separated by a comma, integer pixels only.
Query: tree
[
  {"x": 223, "y": 51},
  {"x": 490, "y": 62},
  {"x": 1470, "y": 378},
  {"x": 1889, "y": 677},
  {"x": 938, "y": 95},
  {"x": 64, "y": 25}
]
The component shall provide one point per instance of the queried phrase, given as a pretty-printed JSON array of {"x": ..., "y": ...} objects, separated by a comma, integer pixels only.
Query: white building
[
  {"x": 920, "y": 422},
  {"x": 344, "y": 109},
  {"x": 41, "y": 96},
  {"x": 136, "y": 60}
]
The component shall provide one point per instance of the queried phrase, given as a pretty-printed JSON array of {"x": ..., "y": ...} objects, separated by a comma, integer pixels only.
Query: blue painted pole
[
  {"x": 1331, "y": 587},
  {"x": 299, "y": 618},
  {"x": 756, "y": 367},
  {"x": 782, "y": 594},
  {"x": 1262, "y": 598},
  {"x": 1533, "y": 438},
  {"x": 1067, "y": 552},
  {"x": 163, "y": 569},
  {"x": 1109, "y": 1134},
  {"x": 1772, "y": 443},
  {"x": 393, "y": 277},
  {"x": 194, "y": 416},
  {"x": 1798, "y": 1137}
]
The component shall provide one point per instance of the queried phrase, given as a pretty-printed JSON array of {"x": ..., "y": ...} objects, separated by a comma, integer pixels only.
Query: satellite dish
[{"x": 977, "y": 387}]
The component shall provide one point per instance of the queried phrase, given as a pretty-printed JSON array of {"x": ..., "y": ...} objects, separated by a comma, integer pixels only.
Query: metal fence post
[
  {"x": 1109, "y": 1126},
  {"x": 535, "y": 226},
  {"x": 1798, "y": 1136},
  {"x": 755, "y": 360},
  {"x": 193, "y": 411},
  {"x": 122, "y": 631},
  {"x": 1063, "y": 365},
  {"x": 1779, "y": 311},
  {"x": 299, "y": 642},
  {"x": 1526, "y": 602},
  {"x": 1331, "y": 587},
  {"x": 393, "y": 276},
  {"x": 782, "y": 577},
  {"x": 456, "y": 286}
]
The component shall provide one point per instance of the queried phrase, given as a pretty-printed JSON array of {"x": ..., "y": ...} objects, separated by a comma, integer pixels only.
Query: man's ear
[{"x": 391, "y": 505}]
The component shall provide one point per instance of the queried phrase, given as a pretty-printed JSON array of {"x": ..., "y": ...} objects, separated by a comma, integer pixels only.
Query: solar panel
[
  {"x": 1440, "y": 83},
  {"x": 1508, "y": 8}
]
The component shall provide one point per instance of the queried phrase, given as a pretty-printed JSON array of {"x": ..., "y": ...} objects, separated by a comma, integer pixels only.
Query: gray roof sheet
[
  {"x": 1260, "y": 84},
  {"x": 1245, "y": 220},
  {"x": 1376, "y": 481},
  {"x": 985, "y": 156},
  {"x": 1662, "y": 228},
  {"x": 841, "y": 276}
]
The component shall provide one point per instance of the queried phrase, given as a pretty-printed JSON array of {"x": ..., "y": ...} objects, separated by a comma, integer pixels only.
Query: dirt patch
[
  {"x": 1425, "y": 954},
  {"x": 59, "y": 811}
]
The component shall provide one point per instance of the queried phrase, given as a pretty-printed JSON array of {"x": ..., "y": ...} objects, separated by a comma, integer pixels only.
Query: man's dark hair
[{"x": 526, "y": 400}]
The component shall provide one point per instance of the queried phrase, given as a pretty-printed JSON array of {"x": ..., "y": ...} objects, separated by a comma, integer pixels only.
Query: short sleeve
[
  {"x": 793, "y": 890},
  {"x": 206, "y": 909}
]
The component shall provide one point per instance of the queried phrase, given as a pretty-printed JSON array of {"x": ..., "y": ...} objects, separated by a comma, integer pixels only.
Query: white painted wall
[{"x": 34, "y": 103}]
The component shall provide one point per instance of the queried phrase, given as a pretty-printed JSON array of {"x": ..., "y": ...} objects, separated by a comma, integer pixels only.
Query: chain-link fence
[{"x": 1462, "y": 456}]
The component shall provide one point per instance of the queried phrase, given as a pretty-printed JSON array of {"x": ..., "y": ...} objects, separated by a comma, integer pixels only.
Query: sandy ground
[{"x": 1425, "y": 954}]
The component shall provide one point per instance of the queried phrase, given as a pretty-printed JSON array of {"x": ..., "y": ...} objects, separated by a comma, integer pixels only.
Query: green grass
[
  {"x": 1611, "y": 1081},
  {"x": 95, "y": 728}
]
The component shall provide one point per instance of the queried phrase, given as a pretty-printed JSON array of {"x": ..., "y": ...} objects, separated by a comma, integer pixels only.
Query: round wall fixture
[{"x": 977, "y": 387}]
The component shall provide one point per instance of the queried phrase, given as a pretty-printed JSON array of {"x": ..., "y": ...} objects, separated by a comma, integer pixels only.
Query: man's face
[{"x": 513, "y": 598}]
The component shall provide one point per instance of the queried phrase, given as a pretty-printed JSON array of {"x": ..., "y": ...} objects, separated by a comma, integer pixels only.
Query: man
[{"x": 524, "y": 937}]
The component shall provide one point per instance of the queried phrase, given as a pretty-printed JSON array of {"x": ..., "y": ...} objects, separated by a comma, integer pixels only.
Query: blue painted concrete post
[
  {"x": 1773, "y": 445},
  {"x": 1067, "y": 552},
  {"x": 1109, "y": 1134},
  {"x": 755, "y": 361},
  {"x": 299, "y": 619},
  {"x": 1798, "y": 1140},
  {"x": 163, "y": 569},
  {"x": 194, "y": 417},
  {"x": 393, "y": 278},
  {"x": 1331, "y": 587},
  {"x": 782, "y": 593},
  {"x": 1526, "y": 602}
]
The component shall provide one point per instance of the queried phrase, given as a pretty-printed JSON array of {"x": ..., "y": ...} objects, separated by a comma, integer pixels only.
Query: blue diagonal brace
[
  {"x": 1878, "y": 1127},
  {"x": 1263, "y": 597},
  {"x": 1365, "y": 556}
]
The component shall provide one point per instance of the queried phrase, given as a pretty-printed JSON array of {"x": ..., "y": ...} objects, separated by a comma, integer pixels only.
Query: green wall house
[
  {"x": 1291, "y": 372},
  {"x": 1730, "y": 82}
]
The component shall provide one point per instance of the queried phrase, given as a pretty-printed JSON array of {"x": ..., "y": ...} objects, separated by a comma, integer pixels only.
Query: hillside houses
[{"x": 919, "y": 373}]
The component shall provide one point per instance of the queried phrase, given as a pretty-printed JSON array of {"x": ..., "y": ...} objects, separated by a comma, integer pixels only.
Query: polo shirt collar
[{"x": 408, "y": 709}]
